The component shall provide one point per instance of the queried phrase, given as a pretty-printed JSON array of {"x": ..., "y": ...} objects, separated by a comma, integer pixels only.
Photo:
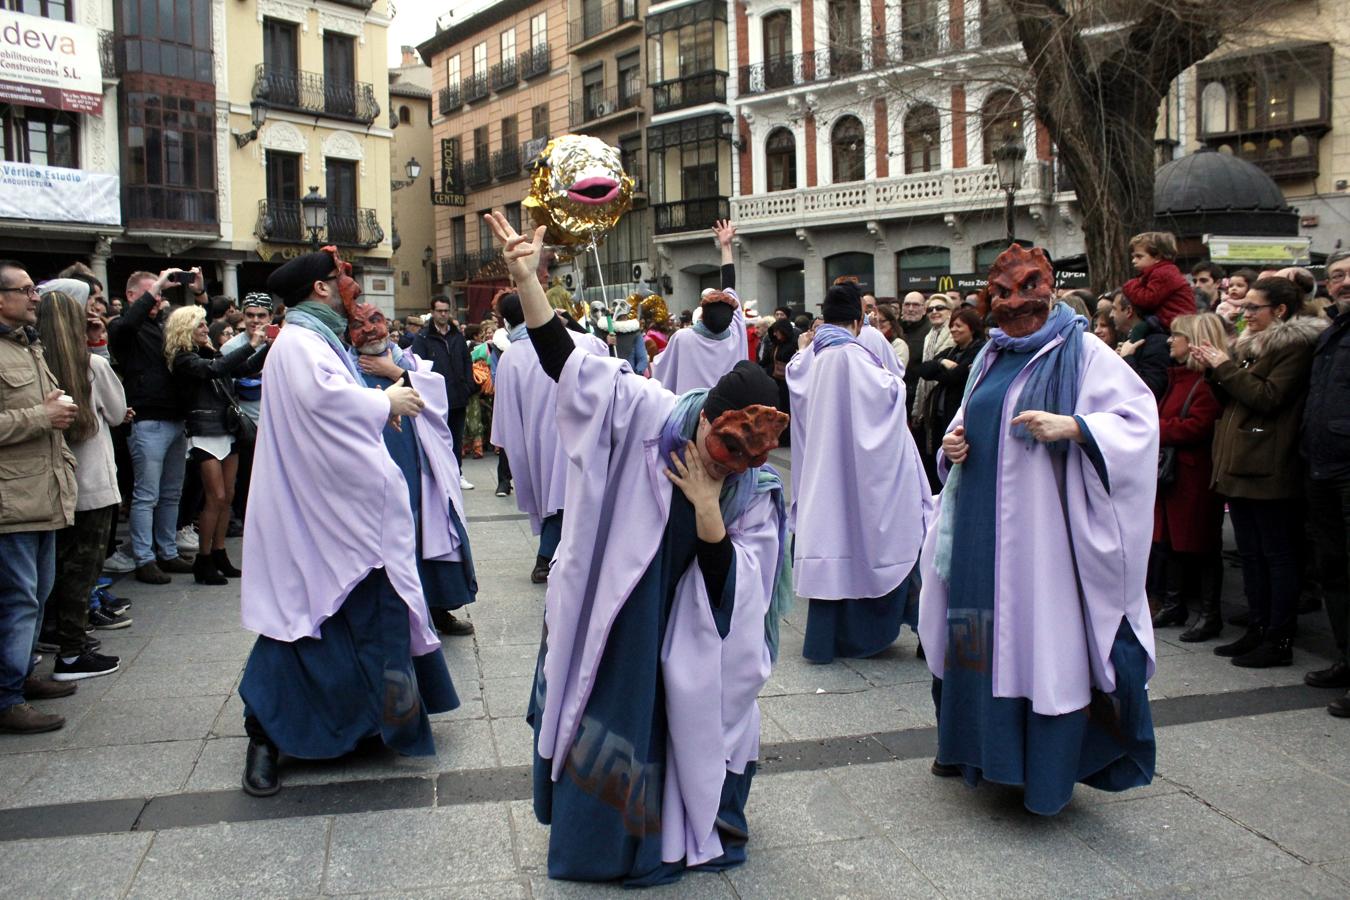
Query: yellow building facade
[{"x": 414, "y": 225}]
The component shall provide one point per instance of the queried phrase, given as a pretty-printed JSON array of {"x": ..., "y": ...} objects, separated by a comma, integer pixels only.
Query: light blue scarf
[
  {"x": 518, "y": 333},
  {"x": 700, "y": 328},
  {"x": 300, "y": 318},
  {"x": 737, "y": 492},
  {"x": 828, "y": 336},
  {"x": 1052, "y": 387}
]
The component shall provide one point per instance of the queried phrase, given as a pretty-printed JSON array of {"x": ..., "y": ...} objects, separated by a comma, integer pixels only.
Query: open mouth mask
[
  {"x": 1021, "y": 289},
  {"x": 742, "y": 438},
  {"x": 348, "y": 287},
  {"x": 366, "y": 324},
  {"x": 578, "y": 190}
]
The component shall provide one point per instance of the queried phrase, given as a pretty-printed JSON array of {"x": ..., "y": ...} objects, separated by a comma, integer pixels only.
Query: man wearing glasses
[
  {"x": 37, "y": 480},
  {"x": 1326, "y": 447},
  {"x": 915, "y": 326}
]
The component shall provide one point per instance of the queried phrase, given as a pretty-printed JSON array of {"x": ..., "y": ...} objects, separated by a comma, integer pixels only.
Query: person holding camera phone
[{"x": 158, "y": 442}]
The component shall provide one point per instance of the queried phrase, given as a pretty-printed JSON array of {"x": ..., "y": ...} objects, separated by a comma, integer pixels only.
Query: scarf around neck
[
  {"x": 518, "y": 333},
  {"x": 828, "y": 336},
  {"x": 700, "y": 328},
  {"x": 327, "y": 324}
]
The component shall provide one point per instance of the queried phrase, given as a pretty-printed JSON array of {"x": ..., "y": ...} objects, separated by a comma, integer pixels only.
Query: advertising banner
[
  {"x": 50, "y": 194},
  {"x": 1267, "y": 251},
  {"x": 47, "y": 62}
]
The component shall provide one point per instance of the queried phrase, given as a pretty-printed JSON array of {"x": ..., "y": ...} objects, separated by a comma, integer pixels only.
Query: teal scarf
[{"x": 327, "y": 324}]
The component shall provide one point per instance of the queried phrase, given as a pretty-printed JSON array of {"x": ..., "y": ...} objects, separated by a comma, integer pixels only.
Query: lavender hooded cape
[
  {"x": 874, "y": 340},
  {"x": 860, "y": 499},
  {"x": 691, "y": 360},
  {"x": 1041, "y": 649},
  {"x": 327, "y": 503},
  {"x": 440, "y": 469},
  {"x": 617, "y": 503},
  {"x": 524, "y": 423}
]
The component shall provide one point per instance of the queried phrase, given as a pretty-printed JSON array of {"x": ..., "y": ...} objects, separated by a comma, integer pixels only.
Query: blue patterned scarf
[{"x": 1051, "y": 387}]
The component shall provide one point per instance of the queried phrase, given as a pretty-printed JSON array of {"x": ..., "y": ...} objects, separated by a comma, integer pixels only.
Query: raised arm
[
  {"x": 726, "y": 232},
  {"x": 521, "y": 255}
]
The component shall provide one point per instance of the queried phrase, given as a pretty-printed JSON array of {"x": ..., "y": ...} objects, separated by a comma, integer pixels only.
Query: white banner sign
[
  {"x": 47, "y": 62},
  {"x": 49, "y": 194}
]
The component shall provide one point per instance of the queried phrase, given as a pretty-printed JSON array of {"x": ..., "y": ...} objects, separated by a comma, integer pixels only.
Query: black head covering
[
  {"x": 745, "y": 385},
  {"x": 509, "y": 306},
  {"x": 843, "y": 303},
  {"x": 294, "y": 281}
]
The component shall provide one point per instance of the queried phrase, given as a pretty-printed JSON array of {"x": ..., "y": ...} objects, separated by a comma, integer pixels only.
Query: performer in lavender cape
[
  {"x": 524, "y": 425},
  {"x": 871, "y": 337},
  {"x": 1033, "y": 612},
  {"x": 859, "y": 495},
  {"x": 696, "y": 357},
  {"x": 421, "y": 447},
  {"x": 345, "y": 650},
  {"x": 661, "y": 614}
]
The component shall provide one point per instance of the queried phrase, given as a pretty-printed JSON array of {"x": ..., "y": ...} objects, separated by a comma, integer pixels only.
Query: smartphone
[
  {"x": 273, "y": 331},
  {"x": 183, "y": 277}
]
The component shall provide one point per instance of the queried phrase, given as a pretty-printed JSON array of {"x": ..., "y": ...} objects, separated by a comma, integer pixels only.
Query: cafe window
[
  {"x": 48, "y": 9},
  {"x": 923, "y": 140},
  {"x": 780, "y": 155},
  {"x": 848, "y": 149},
  {"x": 41, "y": 137}
]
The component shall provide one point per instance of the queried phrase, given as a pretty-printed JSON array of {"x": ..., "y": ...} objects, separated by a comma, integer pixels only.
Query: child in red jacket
[{"x": 1160, "y": 290}]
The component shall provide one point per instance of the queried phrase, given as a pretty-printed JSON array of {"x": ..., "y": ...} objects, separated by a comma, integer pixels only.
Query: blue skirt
[
  {"x": 318, "y": 697},
  {"x": 855, "y": 629},
  {"x": 1108, "y": 745}
]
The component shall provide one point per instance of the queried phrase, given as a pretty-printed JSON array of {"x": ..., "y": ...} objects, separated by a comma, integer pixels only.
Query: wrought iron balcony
[
  {"x": 477, "y": 171},
  {"x": 505, "y": 74},
  {"x": 595, "y": 105},
  {"x": 690, "y": 215},
  {"x": 476, "y": 88},
  {"x": 910, "y": 45},
  {"x": 535, "y": 61},
  {"x": 450, "y": 99},
  {"x": 602, "y": 18},
  {"x": 283, "y": 222},
  {"x": 689, "y": 90},
  {"x": 506, "y": 163},
  {"x": 310, "y": 92}
]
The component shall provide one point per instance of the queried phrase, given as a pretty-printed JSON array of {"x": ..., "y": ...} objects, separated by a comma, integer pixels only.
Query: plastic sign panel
[
  {"x": 1271, "y": 251},
  {"x": 49, "y": 194},
  {"x": 50, "y": 63}
]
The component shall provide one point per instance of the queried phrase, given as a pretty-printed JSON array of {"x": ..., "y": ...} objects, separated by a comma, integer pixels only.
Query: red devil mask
[
  {"x": 1021, "y": 290},
  {"x": 367, "y": 325},
  {"x": 348, "y": 288},
  {"x": 742, "y": 438}
]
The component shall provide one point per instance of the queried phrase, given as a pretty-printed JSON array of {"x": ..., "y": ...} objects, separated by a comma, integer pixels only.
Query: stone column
[
  {"x": 98, "y": 262},
  {"x": 229, "y": 276}
]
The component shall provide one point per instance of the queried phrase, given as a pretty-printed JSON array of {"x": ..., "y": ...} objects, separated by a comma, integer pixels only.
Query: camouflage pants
[{"x": 80, "y": 551}]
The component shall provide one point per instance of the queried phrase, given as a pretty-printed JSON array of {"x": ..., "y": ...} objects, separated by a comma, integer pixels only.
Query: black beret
[
  {"x": 294, "y": 281},
  {"x": 745, "y": 385}
]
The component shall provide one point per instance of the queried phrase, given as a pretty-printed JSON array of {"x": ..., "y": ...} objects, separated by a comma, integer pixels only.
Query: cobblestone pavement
[{"x": 139, "y": 794}]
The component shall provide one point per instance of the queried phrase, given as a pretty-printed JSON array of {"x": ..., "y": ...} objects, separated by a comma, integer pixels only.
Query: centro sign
[{"x": 49, "y": 63}]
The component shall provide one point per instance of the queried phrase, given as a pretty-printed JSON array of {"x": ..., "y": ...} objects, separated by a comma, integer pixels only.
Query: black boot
[
  {"x": 204, "y": 571},
  {"x": 540, "y": 573},
  {"x": 262, "y": 775},
  {"x": 223, "y": 564},
  {"x": 944, "y": 770},
  {"x": 1240, "y": 619},
  {"x": 1271, "y": 652},
  {"x": 1210, "y": 623},
  {"x": 1250, "y": 640},
  {"x": 1173, "y": 611}
]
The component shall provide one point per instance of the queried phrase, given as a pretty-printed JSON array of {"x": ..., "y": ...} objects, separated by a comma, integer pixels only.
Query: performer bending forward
[
  {"x": 1033, "y": 609},
  {"x": 661, "y": 612}
]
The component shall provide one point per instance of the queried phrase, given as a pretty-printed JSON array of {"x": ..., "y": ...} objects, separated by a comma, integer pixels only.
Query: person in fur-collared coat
[{"x": 1256, "y": 459}]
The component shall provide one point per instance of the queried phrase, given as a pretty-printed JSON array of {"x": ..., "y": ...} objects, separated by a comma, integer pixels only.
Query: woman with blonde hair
[
  {"x": 100, "y": 405},
  {"x": 1188, "y": 514},
  {"x": 209, "y": 386}
]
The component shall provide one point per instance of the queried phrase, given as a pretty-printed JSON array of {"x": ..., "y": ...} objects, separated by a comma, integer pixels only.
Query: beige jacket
[{"x": 37, "y": 470}]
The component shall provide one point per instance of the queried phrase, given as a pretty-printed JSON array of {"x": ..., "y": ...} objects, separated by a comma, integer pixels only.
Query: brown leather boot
[{"x": 23, "y": 719}]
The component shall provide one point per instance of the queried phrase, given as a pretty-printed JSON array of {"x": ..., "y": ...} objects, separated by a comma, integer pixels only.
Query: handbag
[
  {"x": 237, "y": 422},
  {"x": 1167, "y": 456}
]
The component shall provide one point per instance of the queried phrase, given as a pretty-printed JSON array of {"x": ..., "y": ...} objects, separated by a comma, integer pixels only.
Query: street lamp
[
  {"x": 413, "y": 168},
  {"x": 257, "y": 113},
  {"x": 315, "y": 210},
  {"x": 1008, "y": 158}
]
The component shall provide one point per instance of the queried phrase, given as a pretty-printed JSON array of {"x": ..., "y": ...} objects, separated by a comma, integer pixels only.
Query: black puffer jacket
[
  {"x": 136, "y": 341},
  {"x": 449, "y": 357},
  {"x": 206, "y": 377},
  {"x": 1326, "y": 418},
  {"x": 1151, "y": 359}
]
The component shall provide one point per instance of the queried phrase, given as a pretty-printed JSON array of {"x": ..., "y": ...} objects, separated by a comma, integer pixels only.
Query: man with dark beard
[
  {"x": 421, "y": 448},
  {"x": 1033, "y": 611}
]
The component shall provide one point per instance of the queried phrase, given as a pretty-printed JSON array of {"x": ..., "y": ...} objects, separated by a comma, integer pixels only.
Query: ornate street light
[
  {"x": 315, "y": 210},
  {"x": 413, "y": 168},
  {"x": 257, "y": 113},
  {"x": 1008, "y": 159}
]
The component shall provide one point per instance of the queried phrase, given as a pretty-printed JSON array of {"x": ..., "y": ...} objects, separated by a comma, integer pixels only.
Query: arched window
[
  {"x": 1000, "y": 121},
  {"x": 845, "y": 33},
  {"x": 780, "y": 153},
  {"x": 847, "y": 146},
  {"x": 404, "y": 115},
  {"x": 777, "y": 49},
  {"x": 1300, "y": 146},
  {"x": 1214, "y": 108},
  {"x": 923, "y": 140}
]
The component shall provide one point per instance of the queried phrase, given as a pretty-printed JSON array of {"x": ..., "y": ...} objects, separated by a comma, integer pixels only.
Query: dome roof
[{"x": 1216, "y": 193}]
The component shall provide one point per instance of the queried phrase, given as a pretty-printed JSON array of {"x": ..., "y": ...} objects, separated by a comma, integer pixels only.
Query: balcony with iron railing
[
  {"x": 596, "y": 105},
  {"x": 450, "y": 99},
  {"x": 283, "y": 222},
  {"x": 535, "y": 61},
  {"x": 310, "y": 92},
  {"x": 476, "y": 88},
  {"x": 908, "y": 46},
  {"x": 506, "y": 163},
  {"x": 601, "y": 22},
  {"x": 477, "y": 171},
  {"x": 689, "y": 215},
  {"x": 465, "y": 265},
  {"x": 689, "y": 90},
  {"x": 505, "y": 74}
]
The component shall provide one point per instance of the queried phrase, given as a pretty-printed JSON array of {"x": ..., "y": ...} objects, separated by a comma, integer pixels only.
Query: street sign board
[
  {"x": 1268, "y": 251},
  {"x": 49, "y": 63}
]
